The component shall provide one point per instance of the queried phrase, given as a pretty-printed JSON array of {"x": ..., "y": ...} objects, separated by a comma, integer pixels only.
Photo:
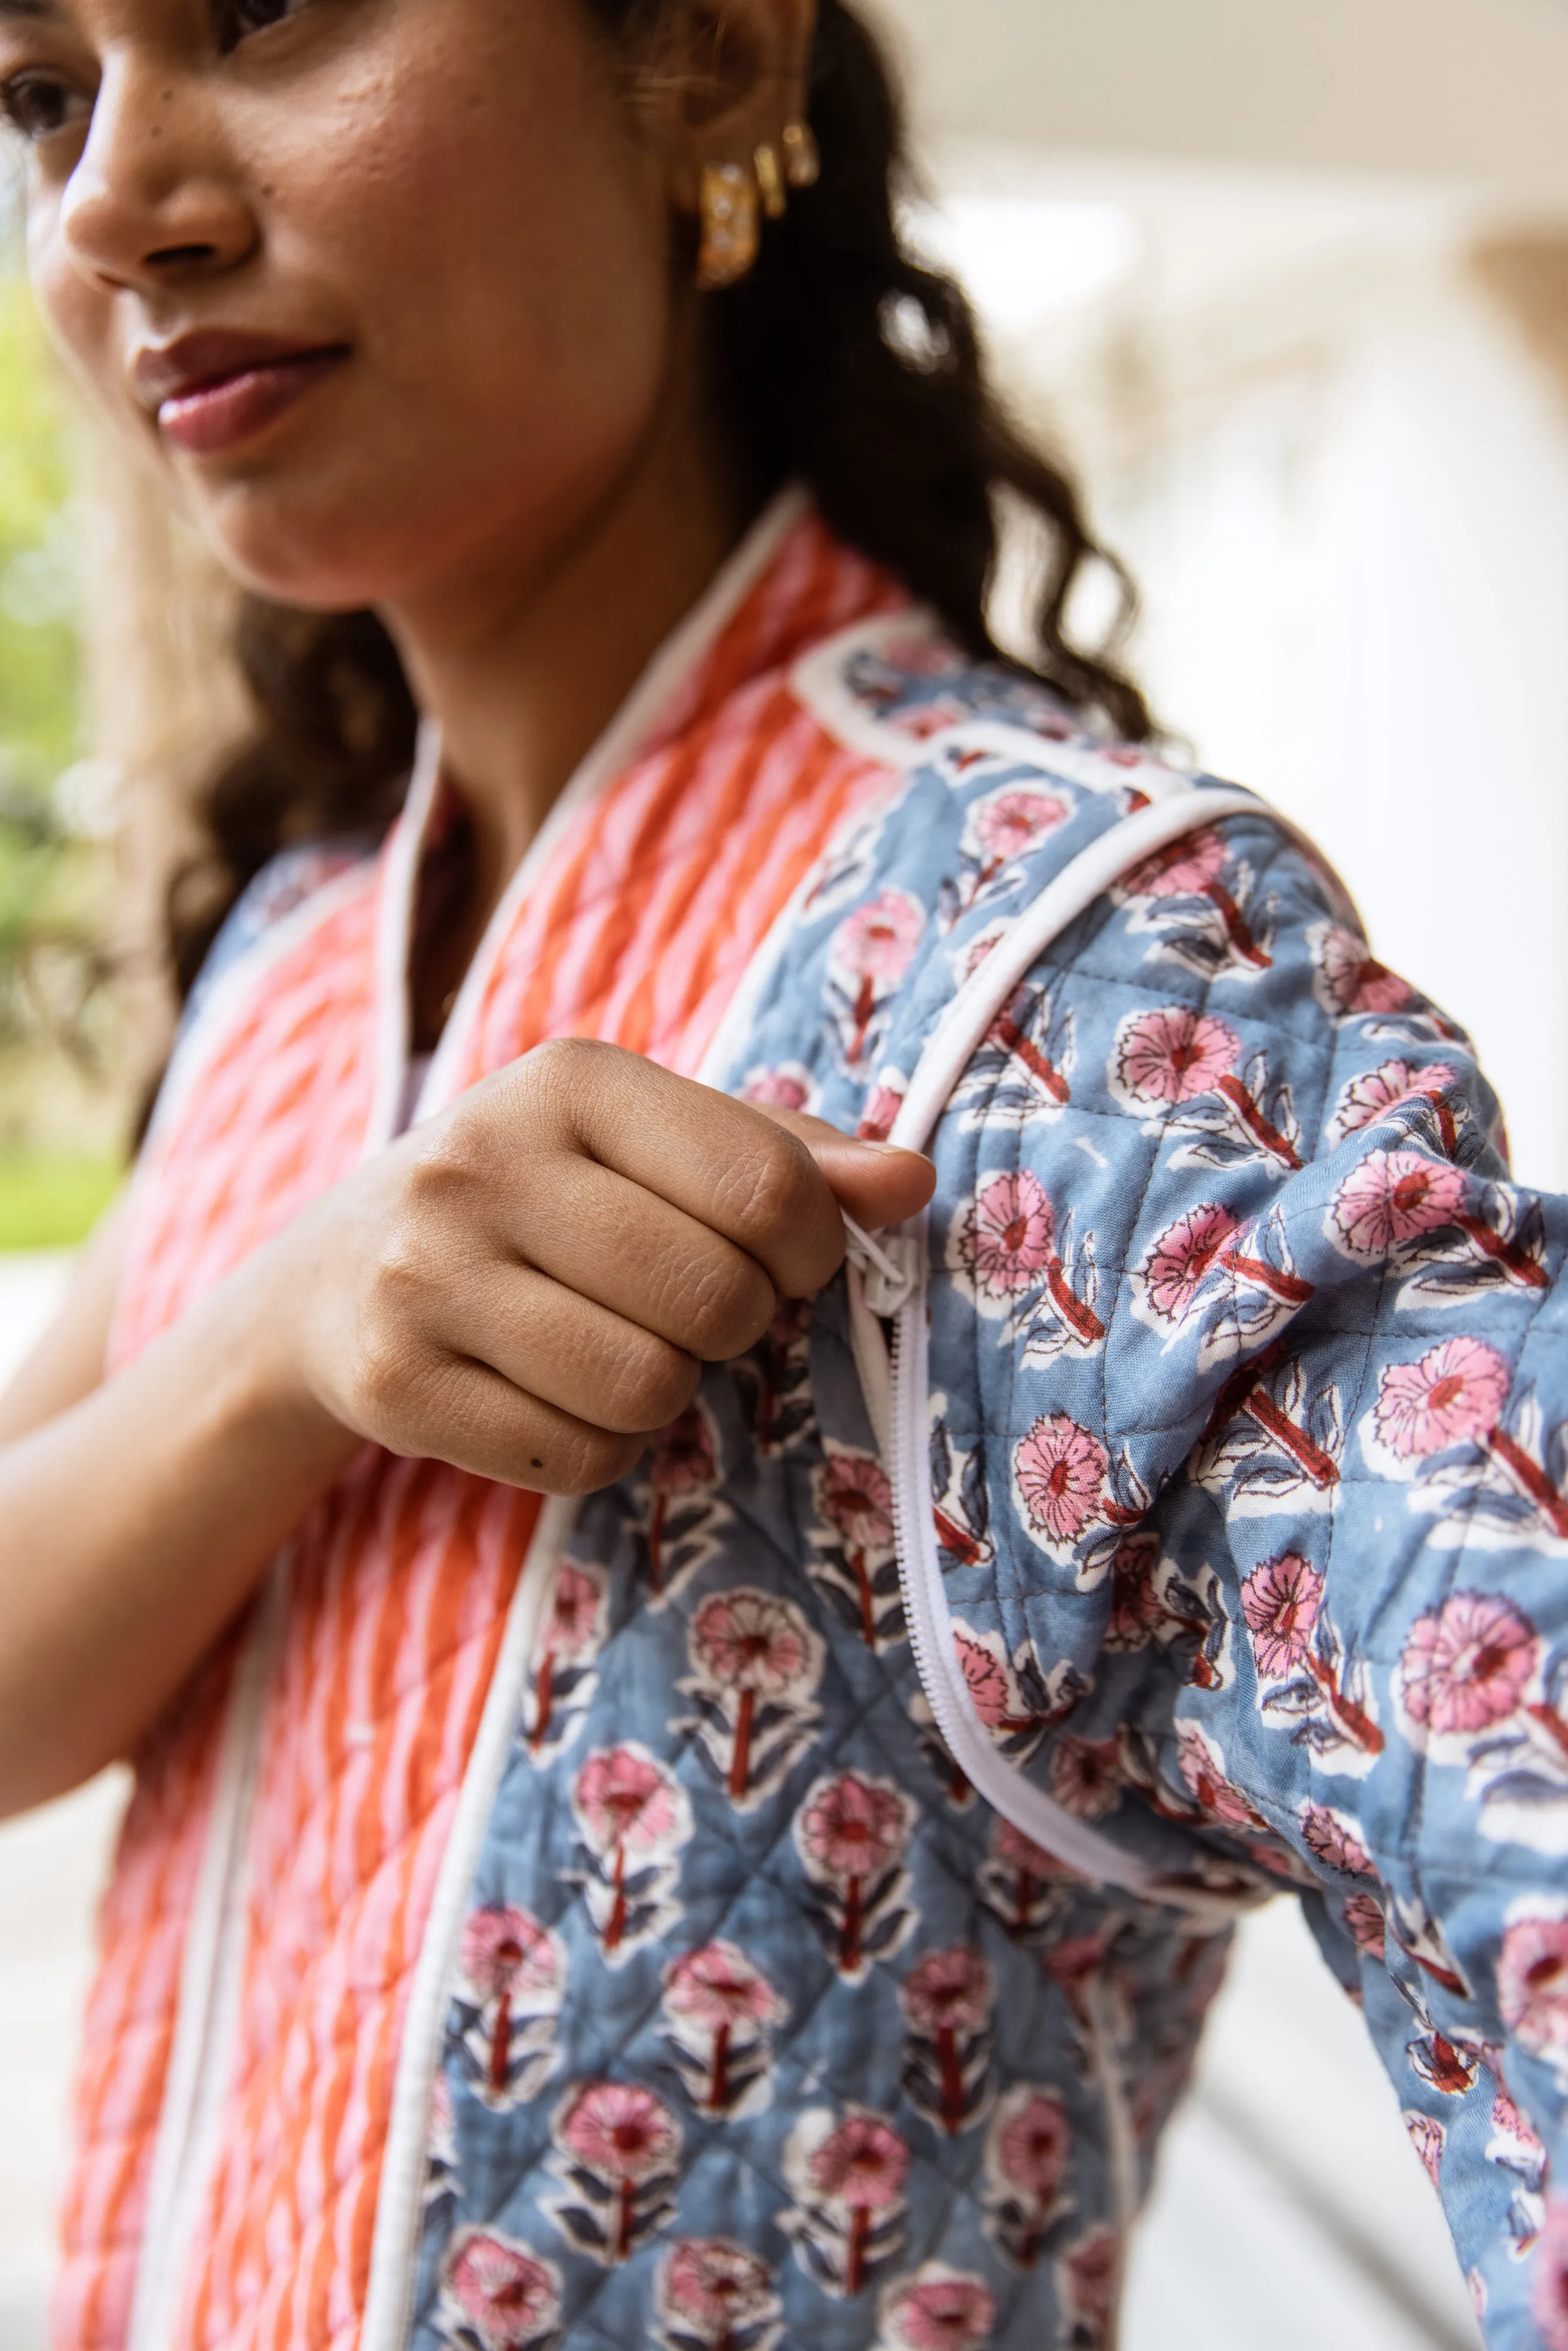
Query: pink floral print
[
  {"x": 853, "y": 1543},
  {"x": 948, "y": 1998},
  {"x": 617, "y": 2144},
  {"x": 1183, "y": 1258},
  {"x": 849, "y": 2181},
  {"x": 852, "y": 1834},
  {"x": 1084, "y": 1778},
  {"x": 632, "y": 1809},
  {"x": 1027, "y": 2154},
  {"x": 1280, "y": 1602},
  {"x": 1331, "y": 1840},
  {"x": 721, "y": 2008},
  {"x": 715, "y": 2293},
  {"x": 1350, "y": 980},
  {"x": 877, "y": 942},
  {"x": 1061, "y": 1469},
  {"x": 1428, "y": 2138},
  {"x": 1533, "y": 1986},
  {"x": 1007, "y": 1239},
  {"x": 1466, "y": 1665},
  {"x": 1167, "y": 1058},
  {"x": 1373, "y": 1093},
  {"x": 1393, "y": 1197},
  {"x": 757, "y": 1662},
  {"x": 1454, "y": 1396},
  {"x": 572, "y": 1636},
  {"x": 508, "y": 2296},
  {"x": 751, "y": 1641},
  {"x": 1010, "y": 823},
  {"x": 511, "y": 1969},
  {"x": 1184, "y": 870},
  {"x": 1365, "y": 1925},
  {"x": 939, "y": 2310},
  {"x": 787, "y": 1088}
]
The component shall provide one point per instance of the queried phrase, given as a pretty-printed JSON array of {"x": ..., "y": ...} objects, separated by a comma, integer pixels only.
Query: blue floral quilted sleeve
[{"x": 1250, "y": 1451}]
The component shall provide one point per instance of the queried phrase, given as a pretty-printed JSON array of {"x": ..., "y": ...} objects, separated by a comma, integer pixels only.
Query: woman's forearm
[{"x": 134, "y": 1525}]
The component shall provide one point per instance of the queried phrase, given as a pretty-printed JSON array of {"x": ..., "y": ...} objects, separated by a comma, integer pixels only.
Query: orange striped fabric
[{"x": 656, "y": 896}]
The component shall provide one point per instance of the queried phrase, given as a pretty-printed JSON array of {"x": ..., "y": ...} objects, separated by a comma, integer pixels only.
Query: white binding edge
[
  {"x": 207, "y": 2014},
  {"x": 401, "y": 2202},
  {"x": 947, "y": 1054}
]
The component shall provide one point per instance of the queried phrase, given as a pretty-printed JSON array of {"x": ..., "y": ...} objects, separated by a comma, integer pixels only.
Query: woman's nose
[{"x": 154, "y": 198}]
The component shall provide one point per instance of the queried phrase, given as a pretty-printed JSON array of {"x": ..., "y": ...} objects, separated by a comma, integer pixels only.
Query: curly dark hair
[{"x": 841, "y": 363}]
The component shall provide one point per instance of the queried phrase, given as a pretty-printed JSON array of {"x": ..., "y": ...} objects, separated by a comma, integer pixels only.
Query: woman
[{"x": 777, "y": 1900}]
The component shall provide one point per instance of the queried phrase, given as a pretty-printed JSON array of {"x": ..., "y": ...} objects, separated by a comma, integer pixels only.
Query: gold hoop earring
[
  {"x": 730, "y": 236},
  {"x": 802, "y": 159},
  {"x": 770, "y": 180}
]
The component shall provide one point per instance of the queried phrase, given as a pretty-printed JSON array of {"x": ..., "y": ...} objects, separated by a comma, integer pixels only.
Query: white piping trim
[
  {"x": 676, "y": 660},
  {"x": 401, "y": 2202},
  {"x": 207, "y": 2015},
  {"x": 946, "y": 1056}
]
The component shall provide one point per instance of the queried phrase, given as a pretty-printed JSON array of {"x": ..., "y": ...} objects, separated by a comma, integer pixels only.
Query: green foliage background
[{"x": 58, "y": 1112}]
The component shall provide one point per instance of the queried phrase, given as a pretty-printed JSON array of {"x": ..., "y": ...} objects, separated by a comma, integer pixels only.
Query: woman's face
[{"x": 384, "y": 285}]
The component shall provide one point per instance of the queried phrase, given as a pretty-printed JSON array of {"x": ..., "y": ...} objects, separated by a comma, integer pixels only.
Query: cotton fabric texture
[{"x": 614, "y": 1952}]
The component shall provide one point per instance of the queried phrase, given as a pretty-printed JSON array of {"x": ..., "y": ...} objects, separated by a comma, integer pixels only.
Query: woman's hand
[{"x": 529, "y": 1286}]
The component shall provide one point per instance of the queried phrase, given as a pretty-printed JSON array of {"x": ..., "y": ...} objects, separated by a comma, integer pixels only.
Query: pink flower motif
[
  {"x": 1549, "y": 2301},
  {"x": 1427, "y": 2137},
  {"x": 1533, "y": 1986},
  {"x": 1203, "y": 1769},
  {"x": 1090, "y": 2268},
  {"x": 987, "y": 1678},
  {"x": 1509, "y": 2123},
  {"x": 853, "y": 1827},
  {"x": 1279, "y": 1600},
  {"x": 712, "y": 2284},
  {"x": 574, "y": 1615},
  {"x": 1183, "y": 1256},
  {"x": 1032, "y": 2143},
  {"x": 949, "y": 1991},
  {"x": 1008, "y": 1236},
  {"x": 864, "y": 2164},
  {"x": 1454, "y": 1396},
  {"x": 1009, "y": 823},
  {"x": 854, "y": 1495},
  {"x": 507, "y": 1952},
  {"x": 683, "y": 1459},
  {"x": 627, "y": 1800},
  {"x": 1060, "y": 1471},
  {"x": 749, "y": 1640},
  {"x": 1394, "y": 1196},
  {"x": 619, "y": 2131},
  {"x": 882, "y": 1104},
  {"x": 877, "y": 942},
  {"x": 786, "y": 1089},
  {"x": 1466, "y": 1665},
  {"x": 1085, "y": 1779},
  {"x": 1326, "y": 1838},
  {"x": 1186, "y": 870},
  {"x": 719, "y": 1986},
  {"x": 950, "y": 2313},
  {"x": 1135, "y": 1604},
  {"x": 1351, "y": 980},
  {"x": 508, "y": 2295},
  {"x": 1371, "y": 1095},
  {"x": 1173, "y": 1056},
  {"x": 1365, "y": 1925}
]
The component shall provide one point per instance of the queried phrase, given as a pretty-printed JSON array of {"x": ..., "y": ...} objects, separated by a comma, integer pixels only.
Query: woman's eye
[
  {"x": 244, "y": 17},
  {"x": 39, "y": 104}
]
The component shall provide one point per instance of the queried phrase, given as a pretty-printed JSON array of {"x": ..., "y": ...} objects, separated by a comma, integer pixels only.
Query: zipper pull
[{"x": 888, "y": 1264}]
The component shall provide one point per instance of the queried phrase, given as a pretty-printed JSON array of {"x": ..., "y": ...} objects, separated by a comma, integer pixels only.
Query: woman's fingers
[
  {"x": 492, "y": 1429},
  {"x": 742, "y": 1175},
  {"x": 876, "y": 1183},
  {"x": 557, "y": 1345}
]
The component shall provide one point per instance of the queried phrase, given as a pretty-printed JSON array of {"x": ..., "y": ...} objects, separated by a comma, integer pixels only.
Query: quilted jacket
[{"x": 836, "y": 1854}]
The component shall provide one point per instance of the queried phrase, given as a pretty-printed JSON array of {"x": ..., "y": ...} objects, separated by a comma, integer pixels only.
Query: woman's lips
[{"x": 207, "y": 420}]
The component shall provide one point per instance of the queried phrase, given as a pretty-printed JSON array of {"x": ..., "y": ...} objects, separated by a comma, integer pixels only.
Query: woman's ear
[{"x": 730, "y": 77}]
